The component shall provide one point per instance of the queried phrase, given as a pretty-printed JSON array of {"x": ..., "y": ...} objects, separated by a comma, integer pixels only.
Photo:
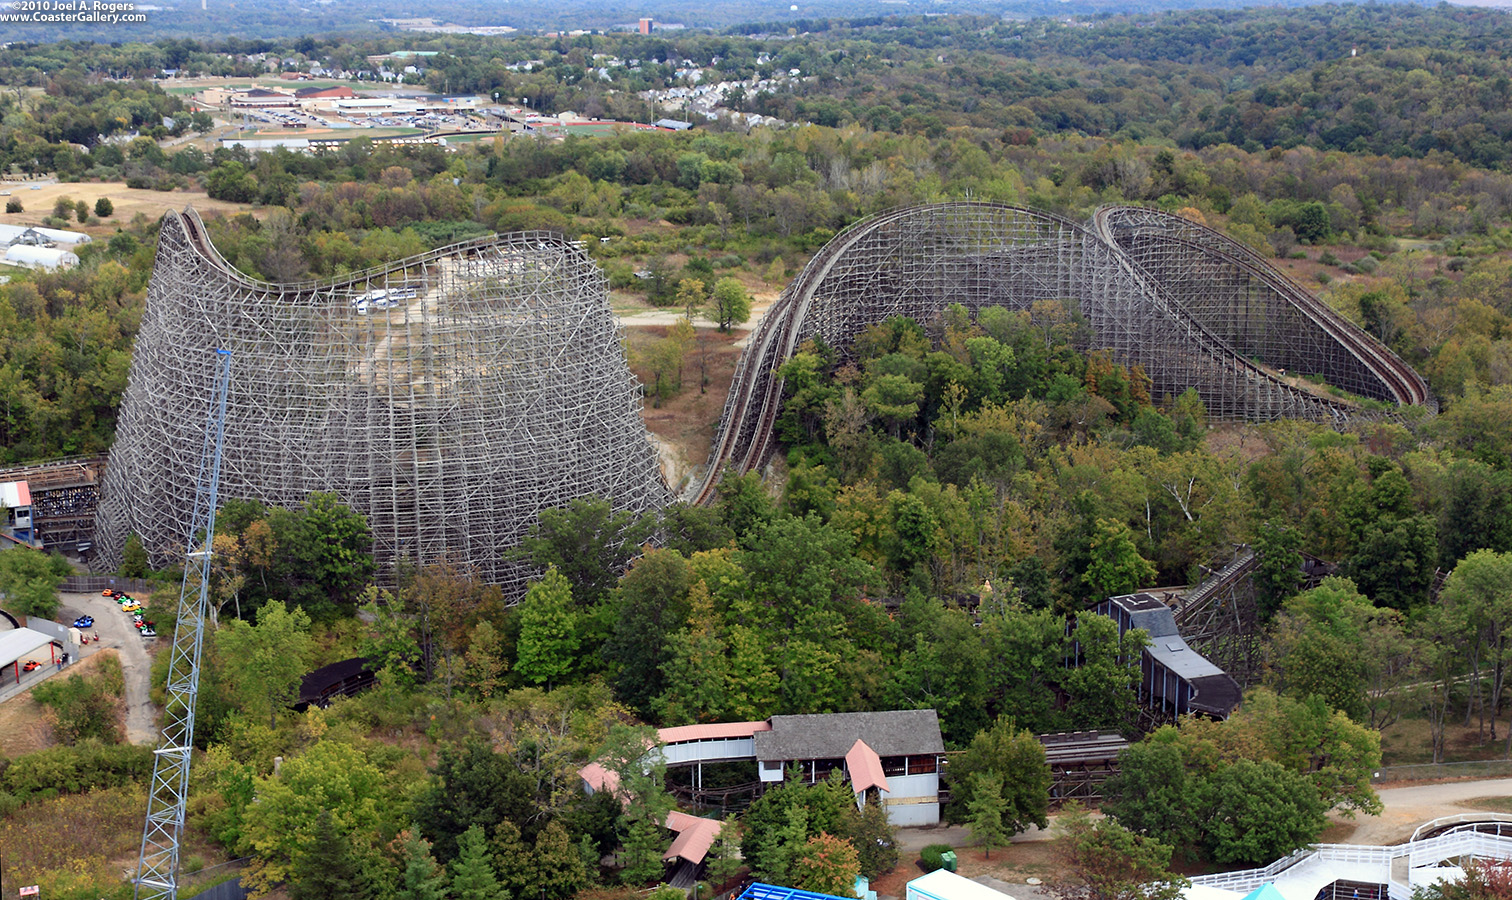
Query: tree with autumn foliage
[{"x": 827, "y": 865}]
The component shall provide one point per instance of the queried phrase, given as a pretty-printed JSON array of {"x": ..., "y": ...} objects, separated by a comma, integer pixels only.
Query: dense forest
[{"x": 950, "y": 496}]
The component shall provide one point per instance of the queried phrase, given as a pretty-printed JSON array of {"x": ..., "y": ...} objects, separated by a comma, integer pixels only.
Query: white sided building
[{"x": 31, "y": 257}]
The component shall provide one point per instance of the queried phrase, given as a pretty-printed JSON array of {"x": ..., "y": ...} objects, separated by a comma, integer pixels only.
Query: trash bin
[{"x": 948, "y": 860}]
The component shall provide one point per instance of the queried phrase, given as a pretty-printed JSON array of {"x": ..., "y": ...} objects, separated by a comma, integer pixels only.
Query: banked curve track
[{"x": 1189, "y": 305}]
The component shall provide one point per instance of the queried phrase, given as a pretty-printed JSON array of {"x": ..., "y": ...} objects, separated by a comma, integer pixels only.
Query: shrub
[
  {"x": 13, "y": 206},
  {"x": 931, "y": 857},
  {"x": 1328, "y": 259},
  {"x": 104, "y": 208}
]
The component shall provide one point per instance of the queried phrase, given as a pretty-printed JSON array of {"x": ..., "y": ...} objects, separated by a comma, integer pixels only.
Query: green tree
[
  {"x": 327, "y": 869},
  {"x": 472, "y": 873},
  {"x": 588, "y": 542},
  {"x": 987, "y": 807},
  {"x": 1106, "y": 861},
  {"x": 332, "y": 777},
  {"x": 104, "y": 208},
  {"x": 29, "y": 581},
  {"x": 81, "y": 211},
  {"x": 265, "y": 663},
  {"x": 1115, "y": 567},
  {"x": 422, "y": 878},
  {"x": 133, "y": 558},
  {"x": 652, "y": 606},
  {"x": 1278, "y": 547},
  {"x": 557, "y": 865},
  {"x": 729, "y": 303},
  {"x": 1102, "y": 686},
  {"x": 1016, "y": 759},
  {"x": 873, "y": 837},
  {"x": 1479, "y": 592},
  {"x": 548, "y": 641},
  {"x": 1253, "y": 811},
  {"x": 472, "y": 785},
  {"x": 1315, "y": 646}
]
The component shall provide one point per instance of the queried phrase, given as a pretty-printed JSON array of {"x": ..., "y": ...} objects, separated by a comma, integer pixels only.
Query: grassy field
[{"x": 128, "y": 202}]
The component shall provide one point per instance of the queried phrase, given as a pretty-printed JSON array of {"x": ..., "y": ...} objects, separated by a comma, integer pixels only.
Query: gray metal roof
[
  {"x": 904, "y": 732},
  {"x": 1149, "y": 613}
]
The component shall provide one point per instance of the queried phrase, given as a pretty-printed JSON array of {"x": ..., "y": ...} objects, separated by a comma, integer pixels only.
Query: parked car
[
  {"x": 131, "y": 607},
  {"x": 30, "y": 665},
  {"x": 84, "y": 622},
  {"x": 148, "y": 632},
  {"x": 114, "y": 595}
]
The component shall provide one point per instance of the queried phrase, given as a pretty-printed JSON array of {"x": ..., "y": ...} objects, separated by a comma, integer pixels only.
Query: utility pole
[{"x": 157, "y": 867}]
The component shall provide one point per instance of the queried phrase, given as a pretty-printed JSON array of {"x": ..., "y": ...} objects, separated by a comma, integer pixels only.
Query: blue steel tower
[{"x": 157, "y": 868}]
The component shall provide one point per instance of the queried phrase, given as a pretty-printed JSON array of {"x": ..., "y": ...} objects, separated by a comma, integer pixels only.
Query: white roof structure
[
  {"x": 19, "y": 642},
  {"x": 9, "y": 233},
  {"x": 943, "y": 885},
  {"x": 40, "y": 257}
]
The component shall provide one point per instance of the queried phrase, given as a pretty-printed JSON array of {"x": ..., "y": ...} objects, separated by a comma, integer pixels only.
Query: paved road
[
  {"x": 115, "y": 630},
  {"x": 1409, "y": 807}
]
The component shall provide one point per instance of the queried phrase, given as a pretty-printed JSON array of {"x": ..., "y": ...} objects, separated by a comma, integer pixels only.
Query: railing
[
  {"x": 1446, "y": 824},
  {"x": 1419, "y": 853},
  {"x": 1424, "y": 771},
  {"x": 90, "y": 584}
]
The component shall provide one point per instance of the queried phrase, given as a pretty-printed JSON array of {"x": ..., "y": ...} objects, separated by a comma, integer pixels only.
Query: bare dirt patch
[{"x": 687, "y": 421}]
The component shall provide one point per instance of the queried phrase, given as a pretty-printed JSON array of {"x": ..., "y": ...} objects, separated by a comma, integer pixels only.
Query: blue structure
[{"x": 759, "y": 891}]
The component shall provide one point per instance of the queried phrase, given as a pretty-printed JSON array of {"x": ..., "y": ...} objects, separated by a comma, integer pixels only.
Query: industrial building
[{"x": 1175, "y": 680}]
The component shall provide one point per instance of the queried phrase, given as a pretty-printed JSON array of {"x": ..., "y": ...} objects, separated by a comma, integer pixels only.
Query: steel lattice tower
[{"x": 157, "y": 867}]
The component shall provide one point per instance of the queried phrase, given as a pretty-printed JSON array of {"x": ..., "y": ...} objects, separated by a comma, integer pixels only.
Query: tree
[
  {"x": 1253, "y": 811},
  {"x": 422, "y": 878},
  {"x": 13, "y": 205},
  {"x": 472, "y": 785},
  {"x": 1278, "y": 547},
  {"x": 29, "y": 581},
  {"x": 267, "y": 662},
  {"x": 548, "y": 638},
  {"x": 653, "y": 605},
  {"x": 1016, "y": 759},
  {"x": 1480, "y": 593},
  {"x": 330, "y": 776},
  {"x": 327, "y": 869},
  {"x": 873, "y": 837},
  {"x": 81, "y": 211},
  {"x": 729, "y": 304},
  {"x": 986, "y": 808},
  {"x": 472, "y": 874},
  {"x": 104, "y": 208},
  {"x": 588, "y": 543},
  {"x": 826, "y": 865},
  {"x": 133, "y": 558},
  {"x": 1315, "y": 646},
  {"x": 1115, "y": 567},
  {"x": 1106, "y": 861},
  {"x": 1102, "y": 686},
  {"x": 557, "y": 865}
]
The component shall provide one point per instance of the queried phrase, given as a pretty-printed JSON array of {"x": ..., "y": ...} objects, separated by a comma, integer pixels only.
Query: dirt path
[
  {"x": 115, "y": 630},
  {"x": 1409, "y": 807}
]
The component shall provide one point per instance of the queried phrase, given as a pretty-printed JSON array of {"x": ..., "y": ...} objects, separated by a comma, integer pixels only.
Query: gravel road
[{"x": 115, "y": 630}]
